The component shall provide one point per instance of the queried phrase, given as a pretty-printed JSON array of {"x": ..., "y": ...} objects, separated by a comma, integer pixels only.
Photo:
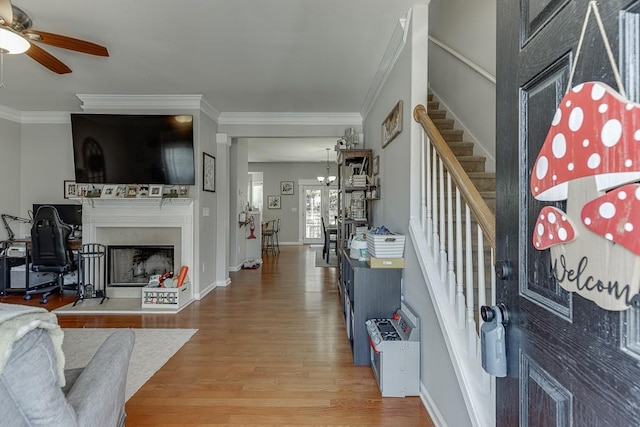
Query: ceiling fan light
[
  {"x": 331, "y": 178},
  {"x": 320, "y": 178},
  {"x": 12, "y": 43}
]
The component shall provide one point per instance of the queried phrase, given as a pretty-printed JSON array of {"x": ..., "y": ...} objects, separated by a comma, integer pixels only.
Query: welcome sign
[{"x": 590, "y": 158}]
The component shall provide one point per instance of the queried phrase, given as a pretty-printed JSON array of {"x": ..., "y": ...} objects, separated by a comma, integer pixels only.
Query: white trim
[
  {"x": 398, "y": 40},
  {"x": 46, "y": 117},
  {"x": 138, "y": 102},
  {"x": 10, "y": 114},
  {"x": 343, "y": 119},
  {"x": 209, "y": 110},
  {"x": 431, "y": 407},
  {"x": 460, "y": 57},
  {"x": 480, "y": 405}
]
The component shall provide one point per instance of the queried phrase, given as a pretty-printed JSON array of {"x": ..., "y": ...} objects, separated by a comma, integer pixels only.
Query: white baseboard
[{"x": 432, "y": 409}]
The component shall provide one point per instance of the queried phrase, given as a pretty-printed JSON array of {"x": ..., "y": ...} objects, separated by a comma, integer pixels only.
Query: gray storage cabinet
[{"x": 366, "y": 293}]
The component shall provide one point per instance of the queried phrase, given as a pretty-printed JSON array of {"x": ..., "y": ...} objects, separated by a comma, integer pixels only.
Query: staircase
[
  {"x": 457, "y": 224},
  {"x": 485, "y": 182}
]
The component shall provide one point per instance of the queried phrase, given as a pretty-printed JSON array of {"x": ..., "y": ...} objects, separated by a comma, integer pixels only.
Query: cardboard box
[{"x": 385, "y": 262}]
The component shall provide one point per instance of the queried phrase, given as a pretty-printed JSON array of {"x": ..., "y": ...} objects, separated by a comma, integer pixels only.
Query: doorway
[{"x": 317, "y": 201}]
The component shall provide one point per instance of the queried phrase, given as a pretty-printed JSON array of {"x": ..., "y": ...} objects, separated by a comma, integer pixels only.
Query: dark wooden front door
[{"x": 570, "y": 362}]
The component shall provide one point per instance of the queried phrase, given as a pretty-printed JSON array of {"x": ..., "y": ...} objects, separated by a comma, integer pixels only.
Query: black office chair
[{"x": 50, "y": 250}]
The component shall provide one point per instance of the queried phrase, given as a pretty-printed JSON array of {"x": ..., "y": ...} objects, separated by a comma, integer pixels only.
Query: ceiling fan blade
[
  {"x": 6, "y": 12},
  {"x": 48, "y": 60},
  {"x": 70, "y": 43}
]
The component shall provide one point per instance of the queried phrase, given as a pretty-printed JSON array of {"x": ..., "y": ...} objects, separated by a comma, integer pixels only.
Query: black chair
[
  {"x": 330, "y": 239},
  {"x": 50, "y": 252}
]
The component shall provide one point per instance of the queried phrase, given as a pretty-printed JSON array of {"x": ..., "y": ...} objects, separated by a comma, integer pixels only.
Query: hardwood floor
[{"x": 271, "y": 350}]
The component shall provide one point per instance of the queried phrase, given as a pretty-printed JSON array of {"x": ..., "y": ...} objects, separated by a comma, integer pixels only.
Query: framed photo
[
  {"x": 82, "y": 190},
  {"x": 392, "y": 125},
  {"x": 208, "y": 172},
  {"x": 109, "y": 191},
  {"x": 155, "y": 190},
  {"x": 376, "y": 165},
  {"x": 143, "y": 191},
  {"x": 286, "y": 187},
  {"x": 183, "y": 191},
  {"x": 131, "y": 190},
  {"x": 70, "y": 189},
  {"x": 273, "y": 202}
]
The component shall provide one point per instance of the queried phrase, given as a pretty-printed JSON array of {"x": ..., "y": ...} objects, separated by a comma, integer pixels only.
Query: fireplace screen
[{"x": 133, "y": 265}]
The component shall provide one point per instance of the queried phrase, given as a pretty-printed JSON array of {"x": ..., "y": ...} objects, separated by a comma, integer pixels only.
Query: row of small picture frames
[{"x": 74, "y": 190}]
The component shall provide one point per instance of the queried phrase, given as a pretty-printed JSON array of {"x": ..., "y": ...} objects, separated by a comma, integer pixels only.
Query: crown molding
[
  {"x": 396, "y": 44},
  {"x": 343, "y": 119},
  {"x": 209, "y": 110},
  {"x": 138, "y": 102},
  {"x": 35, "y": 117}
]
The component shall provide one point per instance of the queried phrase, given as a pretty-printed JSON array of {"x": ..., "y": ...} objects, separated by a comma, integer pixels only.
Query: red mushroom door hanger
[{"x": 593, "y": 146}]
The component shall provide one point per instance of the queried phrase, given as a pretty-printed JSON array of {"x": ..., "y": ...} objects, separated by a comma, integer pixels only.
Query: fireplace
[
  {"x": 134, "y": 265},
  {"x": 142, "y": 222}
]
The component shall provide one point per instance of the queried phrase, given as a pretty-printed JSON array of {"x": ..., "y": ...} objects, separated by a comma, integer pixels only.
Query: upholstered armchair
[{"x": 31, "y": 380}]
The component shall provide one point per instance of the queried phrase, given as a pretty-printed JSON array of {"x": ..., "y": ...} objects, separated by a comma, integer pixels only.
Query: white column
[{"x": 223, "y": 144}]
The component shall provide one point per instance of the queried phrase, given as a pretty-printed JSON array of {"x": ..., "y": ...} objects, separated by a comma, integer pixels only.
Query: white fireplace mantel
[{"x": 98, "y": 215}]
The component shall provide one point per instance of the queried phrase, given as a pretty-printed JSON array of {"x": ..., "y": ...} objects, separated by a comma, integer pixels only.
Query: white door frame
[{"x": 309, "y": 183}]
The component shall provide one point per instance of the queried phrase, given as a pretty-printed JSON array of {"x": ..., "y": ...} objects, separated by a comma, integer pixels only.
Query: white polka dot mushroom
[
  {"x": 614, "y": 216},
  {"x": 595, "y": 132},
  {"x": 553, "y": 227}
]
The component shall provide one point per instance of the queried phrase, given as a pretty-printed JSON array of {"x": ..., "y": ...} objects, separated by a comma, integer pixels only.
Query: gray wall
[
  {"x": 393, "y": 210},
  {"x": 10, "y": 157},
  {"x": 289, "y": 213},
  {"x": 470, "y": 29}
]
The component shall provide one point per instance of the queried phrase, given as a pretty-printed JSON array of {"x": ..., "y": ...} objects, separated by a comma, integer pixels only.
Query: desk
[{"x": 11, "y": 261}]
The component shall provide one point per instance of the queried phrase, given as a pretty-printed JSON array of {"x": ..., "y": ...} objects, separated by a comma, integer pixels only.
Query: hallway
[{"x": 271, "y": 350}]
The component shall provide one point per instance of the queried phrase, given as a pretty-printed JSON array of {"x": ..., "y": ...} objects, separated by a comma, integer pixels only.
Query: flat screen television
[{"x": 133, "y": 149}]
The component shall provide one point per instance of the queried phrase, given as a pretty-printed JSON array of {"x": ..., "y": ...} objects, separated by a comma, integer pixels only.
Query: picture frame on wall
[
  {"x": 392, "y": 124},
  {"x": 208, "y": 172},
  {"x": 70, "y": 189},
  {"x": 286, "y": 187},
  {"x": 273, "y": 202}
]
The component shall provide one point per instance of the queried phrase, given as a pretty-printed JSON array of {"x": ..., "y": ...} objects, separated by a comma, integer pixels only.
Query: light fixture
[
  {"x": 327, "y": 179},
  {"x": 12, "y": 43}
]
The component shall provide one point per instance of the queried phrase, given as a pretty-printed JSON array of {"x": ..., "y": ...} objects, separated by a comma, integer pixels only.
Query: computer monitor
[{"x": 69, "y": 213}]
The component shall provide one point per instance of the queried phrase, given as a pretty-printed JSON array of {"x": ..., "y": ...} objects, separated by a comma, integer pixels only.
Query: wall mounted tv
[{"x": 133, "y": 149}]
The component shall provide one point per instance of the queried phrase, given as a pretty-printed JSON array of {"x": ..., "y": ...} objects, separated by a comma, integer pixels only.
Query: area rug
[
  {"x": 152, "y": 349},
  {"x": 322, "y": 262}
]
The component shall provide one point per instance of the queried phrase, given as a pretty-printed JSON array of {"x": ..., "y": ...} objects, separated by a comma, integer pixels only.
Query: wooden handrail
[{"x": 470, "y": 194}]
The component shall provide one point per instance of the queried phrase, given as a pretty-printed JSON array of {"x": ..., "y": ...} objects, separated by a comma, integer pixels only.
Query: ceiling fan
[{"x": 16, "y": 36}]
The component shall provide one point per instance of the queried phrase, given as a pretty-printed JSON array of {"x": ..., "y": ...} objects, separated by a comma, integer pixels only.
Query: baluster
[
  {"x": 434, "y": 206},
  {"x": 427, "y": 186},
  {"x": 451, "y": 276},
  {"x": 469, "y": 279},
  {"x": 459, "y": 264},
  {"x": 441, "y": 221},
  {"x": 482, "y": 297}
]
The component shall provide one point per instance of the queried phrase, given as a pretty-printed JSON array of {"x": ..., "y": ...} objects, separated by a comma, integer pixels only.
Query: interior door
[
  {"x": 569, "y": 361},
  {"x": 319, "y": 201}
]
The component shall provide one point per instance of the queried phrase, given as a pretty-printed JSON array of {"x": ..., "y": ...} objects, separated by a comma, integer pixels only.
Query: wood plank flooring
[{"x": 271, "y": 350}]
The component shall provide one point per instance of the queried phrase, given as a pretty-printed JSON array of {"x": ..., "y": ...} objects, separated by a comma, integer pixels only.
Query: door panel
[
  {"x": 569, "y": 361},
  {"x": 319, "y": 201}
]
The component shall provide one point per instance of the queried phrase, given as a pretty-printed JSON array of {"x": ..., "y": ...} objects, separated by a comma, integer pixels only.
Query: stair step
[
  {"x": 429, "y": 97},
  {"x": 452, "y": 135},
  {"x": 490, "y": 199},
  {"x": 472, "y": 163},
  {"x": 484, "y": 181},
  {"x": 460, "y": 148},
  {"x": 433, "y": 105},
  {"x": 443, "y": 124},
  {"x": 437, "y": 114}
]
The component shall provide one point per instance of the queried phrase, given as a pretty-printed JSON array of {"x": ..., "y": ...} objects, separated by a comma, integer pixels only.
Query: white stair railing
[{"x": 456, "y": 223}]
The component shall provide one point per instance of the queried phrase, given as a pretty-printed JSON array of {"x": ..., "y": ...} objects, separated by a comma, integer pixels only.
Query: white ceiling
[{"x": 277, "y": 56}]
